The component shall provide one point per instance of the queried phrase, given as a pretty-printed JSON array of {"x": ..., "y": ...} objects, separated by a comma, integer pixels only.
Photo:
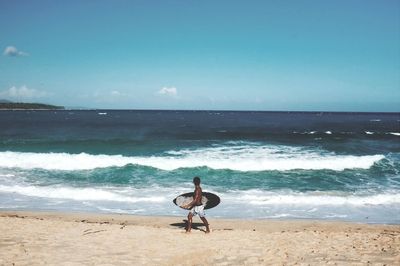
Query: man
[{"x": 196, "y": 207}]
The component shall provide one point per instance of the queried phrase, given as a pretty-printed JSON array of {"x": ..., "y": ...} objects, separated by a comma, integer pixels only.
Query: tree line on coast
[{"x": 5, "y": 104}]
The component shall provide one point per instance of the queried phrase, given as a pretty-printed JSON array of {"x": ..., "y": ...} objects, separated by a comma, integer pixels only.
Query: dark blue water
[{"x": 262, "y": 164}]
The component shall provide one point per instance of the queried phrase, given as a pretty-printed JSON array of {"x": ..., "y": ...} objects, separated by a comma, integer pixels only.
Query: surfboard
[{"x": 210, "y": 200}]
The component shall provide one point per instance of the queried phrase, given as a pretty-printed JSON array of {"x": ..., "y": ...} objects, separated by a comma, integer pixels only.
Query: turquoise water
[{"x": 341, "y": 166}]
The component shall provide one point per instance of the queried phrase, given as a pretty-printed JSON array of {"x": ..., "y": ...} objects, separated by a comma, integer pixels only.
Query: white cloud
[
  {"x": 172, "y": 91},
  {"x": 22, "y": 92},
  {"x": 107, "y": 96},
  {"x": 115, "y": 93},
  {"x": 13, "y": 51}
]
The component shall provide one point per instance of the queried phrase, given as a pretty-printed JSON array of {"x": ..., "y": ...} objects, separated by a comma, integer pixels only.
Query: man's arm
[{"x": 196, "y": 198}]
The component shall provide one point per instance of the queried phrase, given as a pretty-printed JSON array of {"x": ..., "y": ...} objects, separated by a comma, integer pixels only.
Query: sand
[{"x": 38, "y": 238}]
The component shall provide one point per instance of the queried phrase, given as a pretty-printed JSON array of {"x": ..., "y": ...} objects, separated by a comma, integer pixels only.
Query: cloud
[
  {"x": 115, "y": 93},
  {"x": 172, "y": 91},
  {"x": 22, "y": 92},
  {"x": 107, "y": 96},
  {"x": 13, "y": 51}
]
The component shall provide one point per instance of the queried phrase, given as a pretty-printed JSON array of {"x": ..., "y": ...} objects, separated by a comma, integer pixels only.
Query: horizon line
[{"x": 204, "y": 110}]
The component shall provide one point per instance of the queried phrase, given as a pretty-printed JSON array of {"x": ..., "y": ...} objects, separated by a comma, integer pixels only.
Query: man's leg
[
  {"x": 206, "y": 224},
  {"x": 189, "y": 223}
]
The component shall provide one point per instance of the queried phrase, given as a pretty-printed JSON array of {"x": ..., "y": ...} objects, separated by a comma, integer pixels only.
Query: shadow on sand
[{"x": 195, "y": 226}]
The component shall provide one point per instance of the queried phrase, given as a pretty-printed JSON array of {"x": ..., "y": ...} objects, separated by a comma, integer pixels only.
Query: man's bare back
[{"x": 197, "y": 195}]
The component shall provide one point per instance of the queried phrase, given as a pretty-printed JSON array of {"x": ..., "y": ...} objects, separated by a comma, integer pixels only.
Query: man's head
[{"x": 196, "y": 180}]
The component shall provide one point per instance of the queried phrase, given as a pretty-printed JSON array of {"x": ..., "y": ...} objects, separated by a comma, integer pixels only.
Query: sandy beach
[{"x": 38, "y": 238}]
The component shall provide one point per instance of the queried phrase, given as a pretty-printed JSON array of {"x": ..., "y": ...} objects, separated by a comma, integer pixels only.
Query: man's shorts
[{"x": 198, "y": 210}]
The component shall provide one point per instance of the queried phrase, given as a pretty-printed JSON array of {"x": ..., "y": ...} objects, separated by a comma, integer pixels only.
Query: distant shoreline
[{"x": 29, "y": 106}]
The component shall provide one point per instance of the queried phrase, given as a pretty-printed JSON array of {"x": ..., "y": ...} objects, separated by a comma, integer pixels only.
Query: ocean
[{"x": 275, "y": 165}]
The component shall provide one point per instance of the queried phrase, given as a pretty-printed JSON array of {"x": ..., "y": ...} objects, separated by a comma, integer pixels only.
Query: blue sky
[{"x": 237, "y": 55}]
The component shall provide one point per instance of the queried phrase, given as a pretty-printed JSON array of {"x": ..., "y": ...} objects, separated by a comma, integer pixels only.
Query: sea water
[{"x": 300, "y": 165}]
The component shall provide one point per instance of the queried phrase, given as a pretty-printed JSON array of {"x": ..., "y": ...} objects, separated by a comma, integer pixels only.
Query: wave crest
[{"x": 237, "y": 158}]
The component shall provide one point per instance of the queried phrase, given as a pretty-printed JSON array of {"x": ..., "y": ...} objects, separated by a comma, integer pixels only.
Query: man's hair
[{"x": 196, "y": 180}]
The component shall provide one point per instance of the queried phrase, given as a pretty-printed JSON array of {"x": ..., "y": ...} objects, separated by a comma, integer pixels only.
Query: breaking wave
[{"x": 238, "y": 158}]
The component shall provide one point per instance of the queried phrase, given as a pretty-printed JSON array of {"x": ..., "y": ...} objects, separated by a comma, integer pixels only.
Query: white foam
[
  {"x": 88, "y": 194},
  {"x": 60, "y": 161},
  {"x": 336, "y": 216},
  {"x": 395, "y": 133},
  {"x": 239, "y": 158},
  {"x": 305, "y": 132},
  {"x": 121, "y": 211},
  {"x": 257, "y": 197},
  {"x": 7, "y": 175},
  {"x": 328, "y": 132},
  {"x": 282, "y": 215},
  {"x": 369, "y": 132}
]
